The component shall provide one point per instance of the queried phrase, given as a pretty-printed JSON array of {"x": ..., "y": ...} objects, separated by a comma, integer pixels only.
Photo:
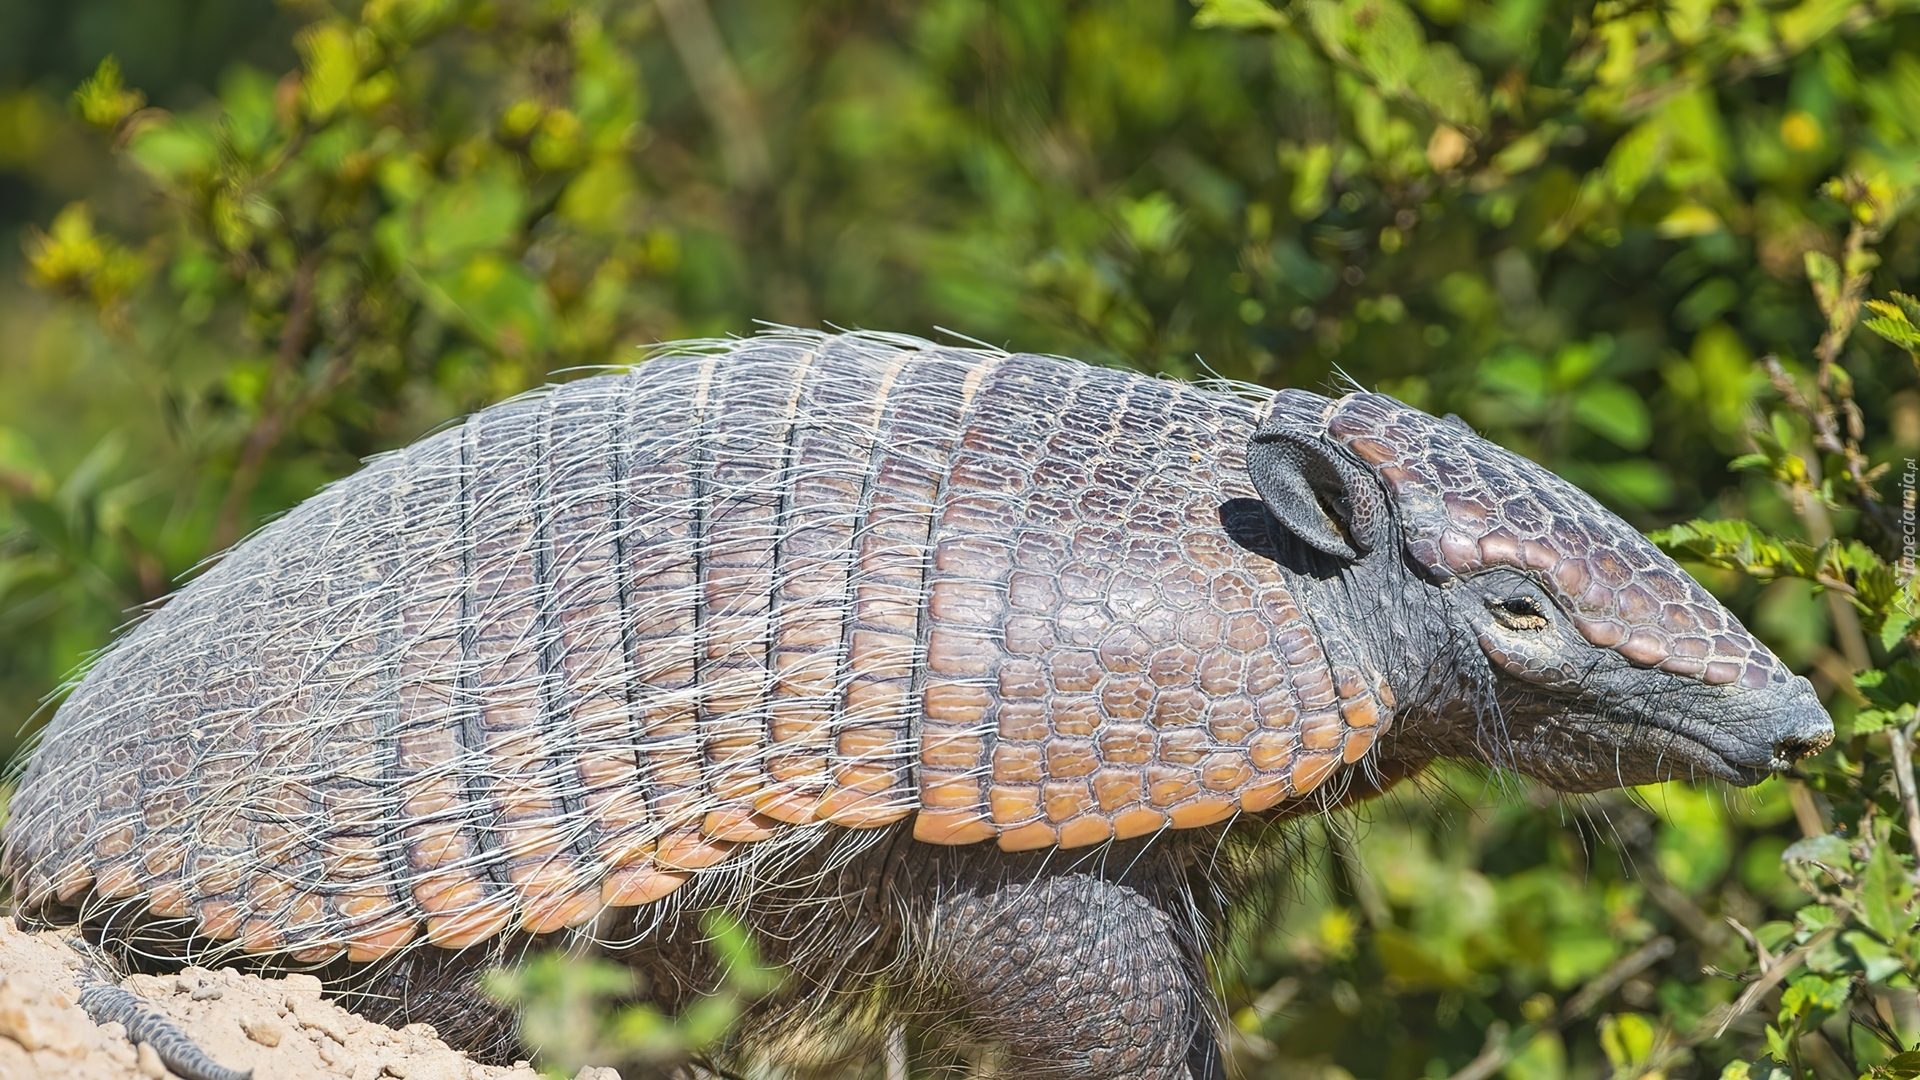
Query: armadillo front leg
[{"x": 1078, "y": 976}]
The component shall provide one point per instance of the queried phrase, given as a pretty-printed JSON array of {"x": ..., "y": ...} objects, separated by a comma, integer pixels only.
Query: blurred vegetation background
[{"x": 260, "y": 242}]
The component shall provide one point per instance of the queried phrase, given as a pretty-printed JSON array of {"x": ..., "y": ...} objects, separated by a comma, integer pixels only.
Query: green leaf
[
  {"x": 1633, "y": 160},
  {"x": 1876, "y": 960},
  {"x": 1811, "y": 20},
  {"x": 1740, "y": 545},
  {"x": 1824, "y": 275},
  {"x": 1828, "y": 850},
  {"x": 1544, "y": 1057},
  {"x": 1779, "y": 1044},
  {"x": 1884, "y": 892},
  {"x": 1894, "y": 321},
  {"x": 332, "y": 67},
  {"x": 1238, "y": 15},
  {"x": 1615, "y": 413},
  {"x": 727, "y": 936},
  {"x": 1312, "y": 170},
  {"x": 1626, "y": 1039},
  {"x": 104, "y": 100},
  {"x": 480, "y": 213},
  {"x": 1810, "y": 999},
  {"x": 1451, "y": 86},
  {"x": 1895, "y": 629},
  {"x": 498, "y": 301},
  {"x": 176, "y": 152},
  {"x": 1154, "y": 223}
]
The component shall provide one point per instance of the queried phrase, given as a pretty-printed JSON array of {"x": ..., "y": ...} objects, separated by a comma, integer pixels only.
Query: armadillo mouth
[
  {"x": 1679, "y": 731},
  {"x": 1576, "y": 754}
]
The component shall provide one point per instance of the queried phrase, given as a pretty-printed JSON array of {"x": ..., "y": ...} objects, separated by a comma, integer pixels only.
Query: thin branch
[
  {"x": 1853, "y": 289},
  {"x": 722, "y": 93},
  {"x": 1901, "y": 746},
  {"x": 1827, "y": 437},
  {"x": 1500, "y": 1047},
  {"x": 1493, "y": 1056},
  {"x": 1806, "y": 812},
  {"x": 1760, "y": 952},
  {"x": 1681, "y": 906},
  {"x": 1597, "y": 989},
  {"x": 1770, "y": 977},
  {"x": 274, "y": 412}
]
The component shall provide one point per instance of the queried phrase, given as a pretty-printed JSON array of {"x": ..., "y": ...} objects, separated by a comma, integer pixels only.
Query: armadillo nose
[{"x": 1802, "y": 727}]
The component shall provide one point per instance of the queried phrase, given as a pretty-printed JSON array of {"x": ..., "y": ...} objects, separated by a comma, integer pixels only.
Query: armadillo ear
[{"x": 1318, "y": 493}]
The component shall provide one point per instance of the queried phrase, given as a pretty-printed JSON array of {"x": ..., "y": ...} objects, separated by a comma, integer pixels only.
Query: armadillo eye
[{"x": 1520, "y": 613}]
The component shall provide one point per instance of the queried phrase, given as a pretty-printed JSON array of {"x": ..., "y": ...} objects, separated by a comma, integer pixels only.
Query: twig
[
  {"x": 275, "y": 415},
  {"x": 1827, "y": 437},
  {"x": 1597, "y": 989},
  {"x": 1681, "y": 907},
  {"x": 1901, "y": 740},
  {"x": 1853, "y": 288},
  {"x": 1493, "y": 1056},
  {"x": 1806, "y": 812},
  {"x": 1760, "y": 953},
  {"x": 1769, "y": 978},
  {"x": 722, "y": 93},
  {"x": 1500, "y": 1048}
]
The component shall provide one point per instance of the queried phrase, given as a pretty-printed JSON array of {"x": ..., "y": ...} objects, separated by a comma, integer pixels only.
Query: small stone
[
  {"x": 263, "y": 1029},
  {"x": 420, "y": 1033},
  {"x": 319, "y": 1016},
  {"x": 38, "y": 1020},
  {"x": 149, "y": 1063},
  {"x": 444, "y": 1067},
  {"x": 298, "y": 983},
  {"x": 13, "y": 1060},
  {"x": 597, "y": 1072},
  {"x": 207, "y": 991}
]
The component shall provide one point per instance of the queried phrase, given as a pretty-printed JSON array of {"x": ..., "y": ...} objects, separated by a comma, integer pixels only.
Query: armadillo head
[{"x": 1576, "y": 651}]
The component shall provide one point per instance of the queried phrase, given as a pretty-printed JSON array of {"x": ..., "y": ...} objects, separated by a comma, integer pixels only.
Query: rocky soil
[{"x": 282, "y": 1029}]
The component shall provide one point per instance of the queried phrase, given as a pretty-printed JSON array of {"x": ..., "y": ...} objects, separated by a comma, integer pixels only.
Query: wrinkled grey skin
[
  {"x": 1589, "y": 720},
  {"x": 1091, "y": 963}
]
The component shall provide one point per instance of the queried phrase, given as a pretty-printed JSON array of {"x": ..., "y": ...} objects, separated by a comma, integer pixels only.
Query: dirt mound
[{"x": 282, "y": 1029}]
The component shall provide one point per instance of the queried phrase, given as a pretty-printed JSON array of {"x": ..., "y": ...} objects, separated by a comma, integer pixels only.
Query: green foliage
[
  {"x": 1608, "y": 234},
  {"x": 571, "y": 1009}
]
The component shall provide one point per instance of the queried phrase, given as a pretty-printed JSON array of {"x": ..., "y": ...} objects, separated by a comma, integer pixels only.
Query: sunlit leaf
[
  {"x": 1238, "y": 15},
  {"x": 104, "y": 99},
  {"x": 333, "y": 65}
]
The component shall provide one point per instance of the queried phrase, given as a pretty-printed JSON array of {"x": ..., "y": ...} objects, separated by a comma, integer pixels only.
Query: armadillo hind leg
[{"x": 1077, "y": 975}]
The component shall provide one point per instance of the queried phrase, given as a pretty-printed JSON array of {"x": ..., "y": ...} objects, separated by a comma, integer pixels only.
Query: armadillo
[{"x": 947, "y": 669}]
